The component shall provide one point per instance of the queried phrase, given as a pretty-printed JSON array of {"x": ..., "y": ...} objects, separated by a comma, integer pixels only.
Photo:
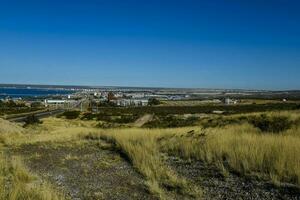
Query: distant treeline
[
  {"x": 11, "y": 104},
  {"x": 11, "y": 107},
  {"x": 227, "y": 109}
]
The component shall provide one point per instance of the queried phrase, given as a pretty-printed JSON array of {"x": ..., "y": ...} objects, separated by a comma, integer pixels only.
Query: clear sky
[{"x": 251, "y": 44}]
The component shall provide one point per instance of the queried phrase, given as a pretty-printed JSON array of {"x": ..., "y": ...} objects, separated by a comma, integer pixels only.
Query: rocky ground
[
  {"x": 84, "y": 170},
  {"x": 92, "y": 170},
  {"x": 216, "y": 186}
]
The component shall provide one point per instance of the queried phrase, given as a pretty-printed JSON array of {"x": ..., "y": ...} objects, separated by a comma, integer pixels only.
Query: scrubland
[
  {"x": 16, "y": 181},
  {"x": 237, "y": 146}
]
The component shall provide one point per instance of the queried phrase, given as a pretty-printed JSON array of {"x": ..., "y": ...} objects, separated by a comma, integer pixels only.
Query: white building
[
  {"x": 54, "y": 102},
  {"x": 131, "y": 102},
  {"x": 229, "y": 101}
]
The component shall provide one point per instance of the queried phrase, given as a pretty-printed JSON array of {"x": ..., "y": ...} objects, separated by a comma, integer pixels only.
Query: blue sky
[{"x": 249, "y": 44}]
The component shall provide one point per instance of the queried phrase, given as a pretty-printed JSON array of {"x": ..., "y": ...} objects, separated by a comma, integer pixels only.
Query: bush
[
  {"x": 273, "y": 124},
  {"x": 221, "y": 121},
  {"x": 106, "y": 118},
  {"x": 71, "y": 114},
  {"x": 106, "y": 104},
  {"x": 88, "y": 116},
  {"x": 121, "y": 119},
  {"x": 31, "y": 119},
  {"x": 171, "y": 121},
  {"x": 153, "y": 102},
  {"x": 229, "y": 109},
  {"x": 296, "y": 122},
  {"x": 107, "y": 125},
  {"x": 36, "y": 104},
  {"x": 125, "y": 119}
]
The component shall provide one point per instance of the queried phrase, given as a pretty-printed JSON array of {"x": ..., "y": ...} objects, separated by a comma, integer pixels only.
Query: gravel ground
[
  {"x": 90, "y": 170},
  {"x": 84, "y": 171},
  {"x": 216, "y": 186}
]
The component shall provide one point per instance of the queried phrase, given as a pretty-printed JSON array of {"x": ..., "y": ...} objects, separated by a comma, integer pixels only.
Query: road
[{"x": 39, "y": 115}]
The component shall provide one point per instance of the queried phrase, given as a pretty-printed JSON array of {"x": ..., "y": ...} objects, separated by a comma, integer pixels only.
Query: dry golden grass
[
  {"x": 17, "y": 183},
  {"x": 141, "y": 148},
  {"x": 245, "y": 150},
  {"x": 52, "y": 129},
  {"x": 241, "y": 148},
  {"x": 292, "y": 115}
]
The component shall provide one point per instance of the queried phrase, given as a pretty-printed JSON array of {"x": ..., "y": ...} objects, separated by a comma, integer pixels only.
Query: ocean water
[{"x": 21, "y": 92}]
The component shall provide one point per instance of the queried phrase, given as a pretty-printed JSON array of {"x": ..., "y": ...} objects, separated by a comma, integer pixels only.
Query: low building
[
  {"x": 60, "y": 103},
  {"x": 56, "y": 102},
  {"x": 131, "y": 102},
  {"x": 229, "y": 101},
  {"x": 141, "y": 102}
]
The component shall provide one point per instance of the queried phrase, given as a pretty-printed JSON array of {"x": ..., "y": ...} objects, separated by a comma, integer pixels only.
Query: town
[{"x": 94, "y": 98}]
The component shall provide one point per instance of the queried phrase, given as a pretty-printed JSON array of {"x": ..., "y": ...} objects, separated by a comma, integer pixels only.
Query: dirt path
[
  {"x": 217, "y": 187},
  {"x": 84, "y": 170},
  {"x": 142, "y": 120}
]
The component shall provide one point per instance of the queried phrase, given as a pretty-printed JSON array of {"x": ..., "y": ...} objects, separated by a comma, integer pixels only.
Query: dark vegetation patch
[
  {"x": 273, "y": 124},
  {"x": 107, "y": 125},
  {"x": 165, "y": 116},
  {"x": 222, "y": 121},
  {"x": 297, "y": 122},
  {"x": 265, "y": 123},
  {"x": 124, "y": 119},
  {"x": 170, "y": 121},
  {"x": 11, "y": 104},
  {"x": 110, "y": 121},
  {"x": 228, "y": 109},
  {"x": 31, "y": 120},
  {"x": 153, "y": 102},
  {"x": 88, "y": 116},
  {"x": 11, "y": 107},
  {"x": 121, "y": 118},
  {"x": 70, "y": 114},
  {"x": 106, "y": 104}
]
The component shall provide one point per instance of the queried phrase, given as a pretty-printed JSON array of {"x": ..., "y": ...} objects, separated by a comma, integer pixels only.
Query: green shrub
[
  {"x": 71, "y": 114},
  {"x": 221, "y": 121},
  {"x": 31, "y": 120},
  {"x": 125, "y": 119},
  {"x": 273, "y": 124},
  {"x": 88, "y": 116},
  {"x": 97, "y": 116},
  {"x": 121, "y": 119},
  {"x": 105, "y": 118},
  {"x": 107, "y": 125},
  {"x": 297, "y": 122},
  {"x": 153, "y": 102},
  {"x": 170, "y": 121},
  {"x": 36, "y": 104}
]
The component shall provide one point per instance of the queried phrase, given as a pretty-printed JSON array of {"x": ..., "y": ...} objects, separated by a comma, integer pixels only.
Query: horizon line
[{"x": 141, "y": 87}]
